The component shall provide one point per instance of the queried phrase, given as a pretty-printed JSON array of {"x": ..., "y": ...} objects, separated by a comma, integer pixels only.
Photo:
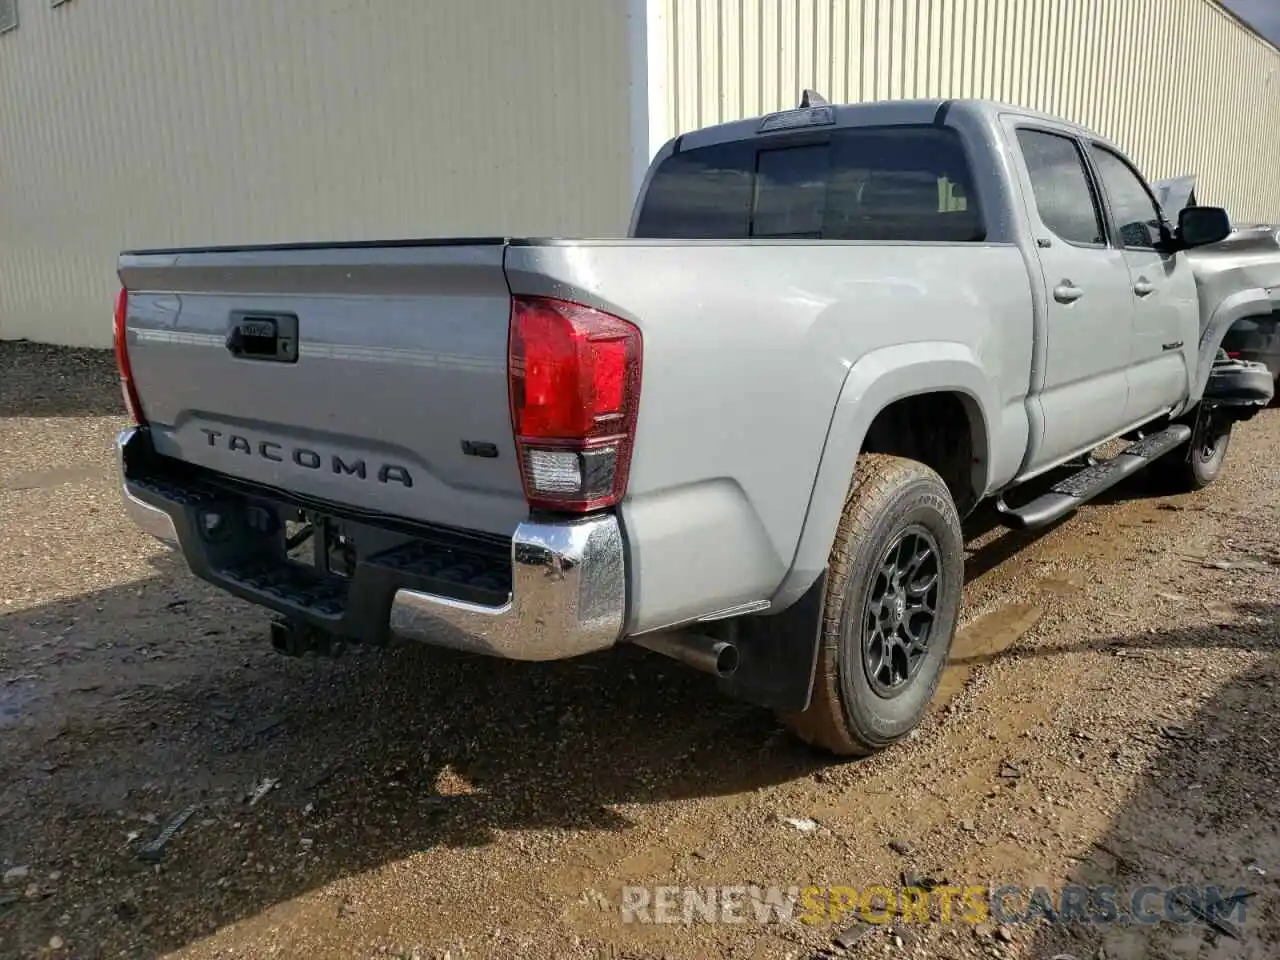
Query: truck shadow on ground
[
  {"x": 1203, "y": 816},
  {"x": 163, "y": 694}
]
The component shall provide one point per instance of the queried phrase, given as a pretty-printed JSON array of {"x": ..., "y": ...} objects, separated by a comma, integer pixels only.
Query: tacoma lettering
[
  {"x": 350, "y": 469},
  {"x": 306, "y": 458}
]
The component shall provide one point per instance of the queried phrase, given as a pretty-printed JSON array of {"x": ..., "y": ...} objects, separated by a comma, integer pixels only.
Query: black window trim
[
  {"x": 788, "y": 139},
  {"x": 1090, "y": 177},
  {"x": 1113, "y": 225}
]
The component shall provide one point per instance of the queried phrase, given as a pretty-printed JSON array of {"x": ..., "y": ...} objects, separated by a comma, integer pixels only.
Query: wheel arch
[
  {"x": 887, "y": 398},
  {"x": 1251, "y": 302}
]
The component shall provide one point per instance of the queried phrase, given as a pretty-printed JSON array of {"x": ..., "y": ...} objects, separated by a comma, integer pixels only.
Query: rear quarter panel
[{"x": 747, "y": 348}]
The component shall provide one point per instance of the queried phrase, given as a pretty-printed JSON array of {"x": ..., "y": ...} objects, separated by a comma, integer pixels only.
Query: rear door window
[
  {"x": 1064, "y": 198},
  {"x": 873, "y": 184}
]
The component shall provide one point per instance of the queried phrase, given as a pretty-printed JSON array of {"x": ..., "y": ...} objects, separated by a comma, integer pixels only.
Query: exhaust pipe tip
[
  {"x": 726, "y": 659},
  {"x": 718, "y": 657}
]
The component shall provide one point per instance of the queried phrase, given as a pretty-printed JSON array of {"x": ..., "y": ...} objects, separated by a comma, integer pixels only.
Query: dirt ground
[{"x": 1109, "y": 718}]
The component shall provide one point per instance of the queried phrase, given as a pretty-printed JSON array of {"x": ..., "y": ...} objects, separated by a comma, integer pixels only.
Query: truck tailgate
[{"x": 392, "y": 398}]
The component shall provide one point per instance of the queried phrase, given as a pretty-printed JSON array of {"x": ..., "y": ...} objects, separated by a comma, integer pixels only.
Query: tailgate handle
[{"x": 264, "y": 336}]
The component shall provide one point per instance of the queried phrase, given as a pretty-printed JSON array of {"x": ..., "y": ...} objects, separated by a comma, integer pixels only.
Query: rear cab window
[{"x": 900, "y": 183}]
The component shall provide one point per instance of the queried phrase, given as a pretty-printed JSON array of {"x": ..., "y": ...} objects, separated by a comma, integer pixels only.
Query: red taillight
[
  {"x": 127, "y": 389},
  {"x": 575, "y": 389},
  {"x": 1233, "y": 354}
]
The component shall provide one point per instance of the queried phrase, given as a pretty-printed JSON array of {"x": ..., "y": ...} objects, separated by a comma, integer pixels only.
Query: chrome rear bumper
[
  {"x": 568, "y": 597},
  {"x": 147, "y": 518},
  {"x": 568, "y": 591}
]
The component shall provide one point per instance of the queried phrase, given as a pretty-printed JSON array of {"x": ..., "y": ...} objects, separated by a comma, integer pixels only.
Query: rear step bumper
[{"x": 565, "y": 592}]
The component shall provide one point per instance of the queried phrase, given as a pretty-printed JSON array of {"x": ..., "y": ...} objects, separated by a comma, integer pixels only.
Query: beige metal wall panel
[
  {"x": 134, "y": 123},
  {"x": 1180, "y": 84}
]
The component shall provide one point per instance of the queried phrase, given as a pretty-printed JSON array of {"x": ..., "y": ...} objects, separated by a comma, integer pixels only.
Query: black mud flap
[{"x": 778, "y": 654}]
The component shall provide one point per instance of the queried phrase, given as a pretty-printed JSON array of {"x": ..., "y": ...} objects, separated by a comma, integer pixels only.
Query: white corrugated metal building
[{"x": 129, "y": 123}]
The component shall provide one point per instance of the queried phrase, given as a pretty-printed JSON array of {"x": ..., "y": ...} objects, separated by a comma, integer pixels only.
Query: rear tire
[
  {"x": 1188, "y": 470},
  {"x": 894, "y": 585}
]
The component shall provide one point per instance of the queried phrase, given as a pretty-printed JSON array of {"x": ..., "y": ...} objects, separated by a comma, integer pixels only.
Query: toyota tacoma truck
[{"x": 743, "y": 436}]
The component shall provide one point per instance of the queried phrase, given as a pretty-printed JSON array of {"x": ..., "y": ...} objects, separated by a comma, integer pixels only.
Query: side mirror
[{"x": 1198, "y": 226}]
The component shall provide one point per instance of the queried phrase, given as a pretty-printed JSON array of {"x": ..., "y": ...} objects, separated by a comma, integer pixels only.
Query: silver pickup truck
[{"x": 743, "y": 436}]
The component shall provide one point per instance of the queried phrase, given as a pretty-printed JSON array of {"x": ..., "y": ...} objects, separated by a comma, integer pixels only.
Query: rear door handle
[
  {"x": 1176, "y": 345},
  {"x": 1143, "y": 287},
  {"x": 1067, "y": 292}
]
